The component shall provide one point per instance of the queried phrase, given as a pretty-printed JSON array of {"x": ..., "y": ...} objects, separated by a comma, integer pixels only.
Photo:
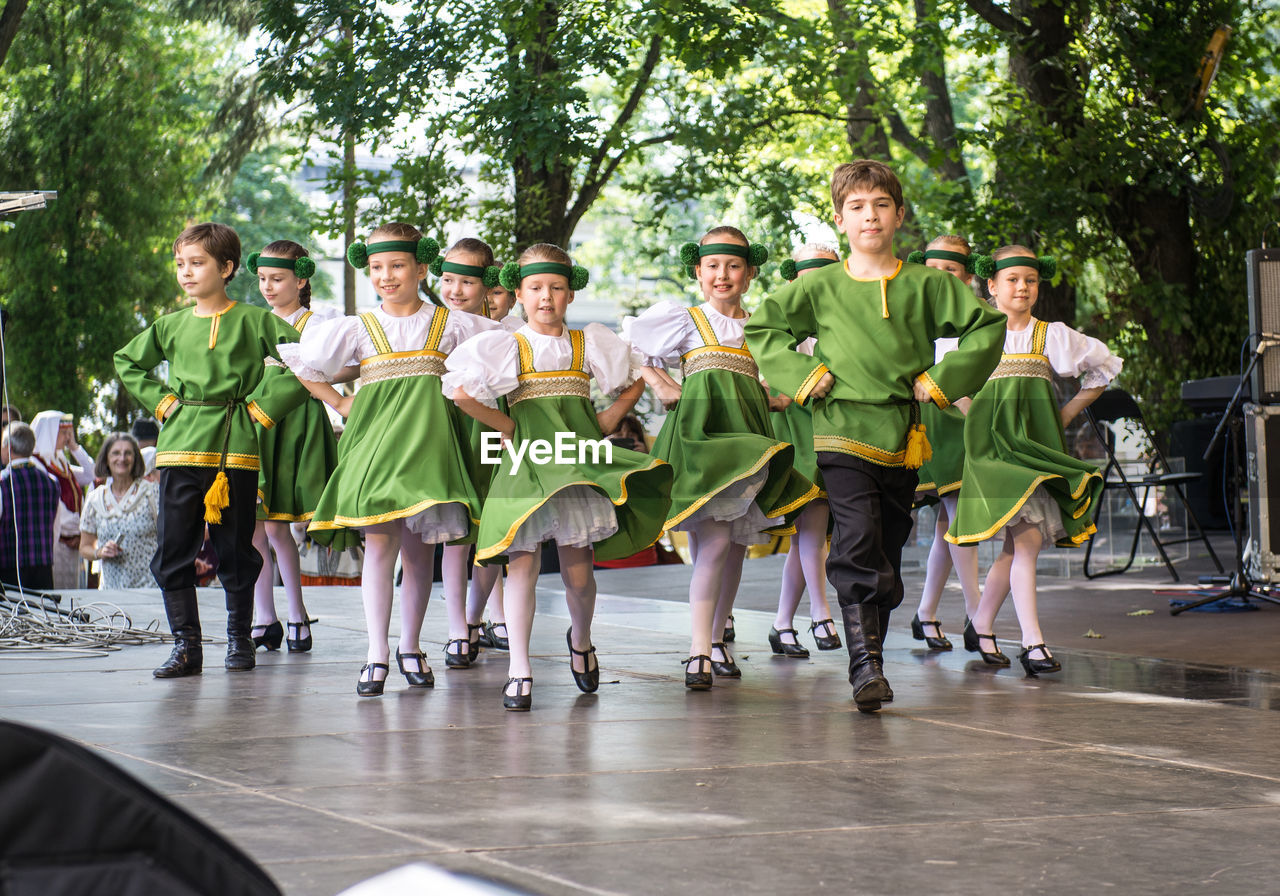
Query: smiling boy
[{"x": 875, "y": 320}]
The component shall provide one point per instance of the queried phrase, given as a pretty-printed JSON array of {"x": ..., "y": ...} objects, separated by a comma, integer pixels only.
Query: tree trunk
[
  {"x": 939, "y": 117},
  {"x": 348, "y": 203},
  {"x": 543, "y": 184},
  {"x": 10, "y": 17}
]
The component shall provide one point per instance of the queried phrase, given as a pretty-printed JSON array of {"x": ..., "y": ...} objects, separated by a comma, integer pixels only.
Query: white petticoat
[
  {"x": 1041, "y": 511},
  {"x": 736, "y": 503},
  {"x": 575, "y": 517},
  {"x": 440, "y": 523}
]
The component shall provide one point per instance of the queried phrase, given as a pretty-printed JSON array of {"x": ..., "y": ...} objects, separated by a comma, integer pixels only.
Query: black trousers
[
  {"x": 871, "y": 516},
  {"x": 33, "y": 577},
  {"x": 180, "y": 529}
]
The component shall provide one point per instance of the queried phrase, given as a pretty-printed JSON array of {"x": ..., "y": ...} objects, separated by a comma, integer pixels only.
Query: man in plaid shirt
[{"x": 28, "y": 505}]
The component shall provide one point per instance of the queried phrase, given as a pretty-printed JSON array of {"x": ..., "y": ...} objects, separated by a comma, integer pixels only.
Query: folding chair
[{"x": 1111, "y": 408}]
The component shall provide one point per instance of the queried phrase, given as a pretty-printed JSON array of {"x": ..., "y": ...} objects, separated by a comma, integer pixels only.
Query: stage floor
[{"x": 1144, "y": 769}]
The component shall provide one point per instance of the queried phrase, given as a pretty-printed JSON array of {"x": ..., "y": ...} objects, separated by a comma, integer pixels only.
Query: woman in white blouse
[{"x": 118, "y": 523}]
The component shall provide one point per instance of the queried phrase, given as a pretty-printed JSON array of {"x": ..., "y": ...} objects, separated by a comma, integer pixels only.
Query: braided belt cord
[{"x": 376, "y": 370}]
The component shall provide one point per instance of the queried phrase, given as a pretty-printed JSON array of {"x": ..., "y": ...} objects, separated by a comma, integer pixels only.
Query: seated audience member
[
  {"x": 28, "y": 505},
  {"x": 118, "y": 525}
]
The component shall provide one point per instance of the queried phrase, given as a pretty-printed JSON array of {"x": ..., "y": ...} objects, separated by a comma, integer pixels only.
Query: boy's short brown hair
[
  {"x": 863, "y": 174},
  {"x": 220, "y": 241}
]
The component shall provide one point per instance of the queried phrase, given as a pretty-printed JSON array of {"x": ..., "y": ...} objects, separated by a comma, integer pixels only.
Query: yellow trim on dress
[
  {"x": 359, "y": 522},
  {"x": 302, "y": 321},
  {"x": 257, "y": 413},
  {"x": 381, "y": 345},
  {"x": 935, "y": 391},
  {"x": 391, "y": 356},
  {"x": 1026, "y": 496},
  {"x": 810, "y": 382},
  {"x": 705, "y": 330},
  {"x": 676, "y": 520},
  {"x": 500, "y": 548},
  {"x": 162, "y": 409}
]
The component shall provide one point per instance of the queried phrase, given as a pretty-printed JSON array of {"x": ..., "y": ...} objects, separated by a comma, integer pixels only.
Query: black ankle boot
[
  {"x": 884, "y": 631},
  {"x": 866, "y": 657},
  {"x": 187, "y": 657},
  {"x": 240, "y": 646}
]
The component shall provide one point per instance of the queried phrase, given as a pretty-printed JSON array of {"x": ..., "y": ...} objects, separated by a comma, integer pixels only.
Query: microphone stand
[{"x": 1239, "y": 584}]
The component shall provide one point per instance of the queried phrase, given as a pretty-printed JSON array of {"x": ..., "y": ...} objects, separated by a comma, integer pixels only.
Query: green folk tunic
[
  {"x": 876, "y": 339},
  {"x": 544, "y": 404},
  {"x": 400, "y": 457},
  {"x": 1015, "y": 451},
  {"x": 224, "y": 376},
  {"x": 298, "y": 457},
  {"x": 719, "y": 434}
]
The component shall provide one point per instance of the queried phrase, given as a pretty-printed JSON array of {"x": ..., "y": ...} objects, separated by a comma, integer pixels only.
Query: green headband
[
  {"x": 692, "y": 253},
  {"x": 423, "y": 250},
  {"x": 791, "y": 269},
  {"x": 918, "y": 257},
  {"x": 986, "y": 267},
  {"x": 513, "y": 272},
  {"x": 488, "y": 275},
  {"x": 302, "y": 267}
]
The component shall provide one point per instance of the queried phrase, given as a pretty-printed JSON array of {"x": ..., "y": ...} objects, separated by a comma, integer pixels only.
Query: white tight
[
  {"x": 454, "y": 566},
  {"x": 717, "y": 569},
  {"x": 579, "y": 592},
  {"x": 269, "y": 535},
  {"x": 1014, "y": 569},
  {"x": 382, "y": 542},
  {"x": 942, "y": 554},
  {"x": 486, "y": 590},
  {"x": 806, "y": 564}
]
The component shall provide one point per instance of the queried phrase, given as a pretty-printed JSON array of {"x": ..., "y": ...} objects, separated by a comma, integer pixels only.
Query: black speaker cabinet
[
  {"x": 1262, "y": 468},
  {"x": 1264, "y": 317}
]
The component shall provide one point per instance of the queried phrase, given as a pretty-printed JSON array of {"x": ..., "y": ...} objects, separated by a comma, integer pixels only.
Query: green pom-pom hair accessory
[
  {"x": 424, "y": 250},
  {"x": 488, "y": 275},
  {"x": 692, "y": 253},
  {"x": 512, "y": 273},
  {"x": 986, "y": 267},
  {"x": 791, "y": 269},
  {"x": 969, "y": 261},
  {"x": 303, "y": 268}
]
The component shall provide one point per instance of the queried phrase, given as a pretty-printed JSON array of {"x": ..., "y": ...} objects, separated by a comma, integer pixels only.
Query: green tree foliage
[
  {"x": 98, "y": 108},
  {"x": 552, "y": 98},
  {"x": 263, "y": 206}
]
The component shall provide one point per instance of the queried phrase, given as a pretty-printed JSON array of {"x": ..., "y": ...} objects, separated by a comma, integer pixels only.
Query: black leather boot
[
  {"x": 240, "y": 646},
  {"x": 884, "y": 631},
  {"x": 187, "y": 657},
  {"x": 866, "y": 675}
]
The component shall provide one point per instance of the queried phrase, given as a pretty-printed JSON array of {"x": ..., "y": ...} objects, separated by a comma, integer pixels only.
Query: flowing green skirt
[
  {"x": 298, "y": 455},
  {"x": 717, "y": 437},
  {"x": 618, "y": 506},
  {"x": 794, "y": 425},
  {"x": 1016, "y": 467},
  {"x": 943, "y": 472},
  {"x": 400, "y": 458}
]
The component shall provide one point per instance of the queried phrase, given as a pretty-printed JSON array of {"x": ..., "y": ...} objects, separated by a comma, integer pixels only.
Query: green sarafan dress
[
  {"x": 721, "y": 443},
  {"x": 1016, "y": 466},
  {"x": 615, "y": 501},
  {"x": 298, "y": 456},
  {"x": 400, "y": 457},
  {"x": 944, "y": 471},
  {"x": 794, "y": 425}
]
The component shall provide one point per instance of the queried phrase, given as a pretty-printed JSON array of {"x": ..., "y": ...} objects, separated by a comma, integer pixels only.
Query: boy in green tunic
[
  {"x": 875, "y": 321},
  {"x": 225, "y": 379}
]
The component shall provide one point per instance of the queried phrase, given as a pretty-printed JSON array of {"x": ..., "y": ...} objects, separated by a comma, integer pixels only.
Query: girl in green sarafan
[
  {"x": 1019, "y": 480},
  {"x": 595, "y": 500}
]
